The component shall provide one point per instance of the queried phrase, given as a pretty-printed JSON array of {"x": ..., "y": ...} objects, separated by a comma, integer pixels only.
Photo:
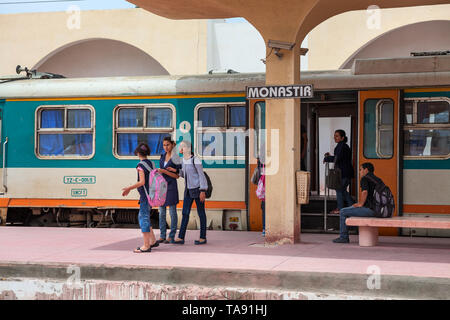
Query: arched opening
[
  {"x": 100, "y": 58},
  {"x": 400, "y": 42}
]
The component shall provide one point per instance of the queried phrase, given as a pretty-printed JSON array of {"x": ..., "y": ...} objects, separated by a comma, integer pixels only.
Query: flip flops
[{"x": 139, "y": 250}]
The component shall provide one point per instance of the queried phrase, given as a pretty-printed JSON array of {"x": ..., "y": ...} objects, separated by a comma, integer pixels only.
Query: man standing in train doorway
[{"x": 363, "y": 208}]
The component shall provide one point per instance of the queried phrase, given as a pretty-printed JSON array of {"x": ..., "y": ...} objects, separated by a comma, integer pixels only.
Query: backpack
[
  {"x": 208, "y": 192},
  {"x": 157, "y": 192},
  {"x": 383, "y": 200},
  {"x": 261, "y": 190}
]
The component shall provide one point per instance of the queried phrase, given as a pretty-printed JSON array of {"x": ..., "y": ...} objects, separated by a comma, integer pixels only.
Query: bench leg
[
  {"x": 368, "y": 236},
  {"x": 3, "y": 215}
]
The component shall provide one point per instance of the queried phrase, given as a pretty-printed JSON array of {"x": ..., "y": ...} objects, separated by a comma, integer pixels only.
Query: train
[{"x": 67, "y": 144}]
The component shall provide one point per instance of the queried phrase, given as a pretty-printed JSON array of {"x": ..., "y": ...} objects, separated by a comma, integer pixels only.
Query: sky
[{"x": 22, "y": 6}]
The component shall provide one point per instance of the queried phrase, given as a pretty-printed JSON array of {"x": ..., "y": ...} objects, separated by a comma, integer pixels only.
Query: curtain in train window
[
  {"x": 151, "y": 125},
  {"x": 73, "y": 137},
  {"x": 212, "y": 116},
  {"x": 237, "y": 117}
]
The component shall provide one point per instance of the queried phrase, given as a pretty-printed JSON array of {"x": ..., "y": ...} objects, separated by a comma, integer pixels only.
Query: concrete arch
[
  {"x": 100, "y": 57},
  {"x": 334, "y": 41},
  {"x": 179, "y": 46},
  {"x": 400, "y": 42}
]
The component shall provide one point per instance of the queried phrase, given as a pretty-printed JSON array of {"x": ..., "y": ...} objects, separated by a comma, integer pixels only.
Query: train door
[
  {"x": 379, "y": 139},
  {"x": 257, "y": 125}
]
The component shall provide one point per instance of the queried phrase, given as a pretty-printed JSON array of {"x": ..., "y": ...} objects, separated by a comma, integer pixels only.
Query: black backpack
[
  {"x": 208, "y": 180},
  {"x": 383, "y": 200}
]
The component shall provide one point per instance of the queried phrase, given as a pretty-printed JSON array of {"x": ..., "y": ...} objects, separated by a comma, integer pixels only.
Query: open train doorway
[{"x": 322, "y": 116}]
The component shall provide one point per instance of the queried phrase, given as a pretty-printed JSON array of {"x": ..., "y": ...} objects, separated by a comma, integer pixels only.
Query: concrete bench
[{"x": 368, "y": 227}]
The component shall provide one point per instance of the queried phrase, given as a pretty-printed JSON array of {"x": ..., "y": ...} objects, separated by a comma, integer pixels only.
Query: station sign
[{"x": 280, "y": 92}]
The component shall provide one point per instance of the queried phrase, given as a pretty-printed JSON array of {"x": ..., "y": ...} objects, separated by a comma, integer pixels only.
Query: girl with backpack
[
  {"x": 195, "y": 189},
  {"x": 143, "y": 168},
  {"x": 169, "y": 159}
]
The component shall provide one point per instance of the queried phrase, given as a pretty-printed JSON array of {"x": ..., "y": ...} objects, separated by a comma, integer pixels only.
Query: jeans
[
  {"x": 353, "y": 212},
  {"x": 343, "y": 195},
  {"x": 263, "y": 208},
  {"x": 173, "y": 222},
  {"x": 144, "y": 216},
  {"x": 187, "y": 204}
]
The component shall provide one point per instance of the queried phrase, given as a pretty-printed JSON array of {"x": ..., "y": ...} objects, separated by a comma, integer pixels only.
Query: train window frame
[
  {"x": 144, "y": 128},
  {"x": 198, "y": 129},
  {"x": 378, "y": 128},
  {"x": 38, "y": 130},
  {"x": 424, "y": 126},
  {"x": 383, "y": 127},
  {"x": 258, "y": 135}
]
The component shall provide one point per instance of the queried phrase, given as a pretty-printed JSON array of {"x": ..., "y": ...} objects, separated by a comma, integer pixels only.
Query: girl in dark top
[
  {"x": 143, "y": 167},
  {"x": 169, "y": 159},
  {"x": 343, "y": 160}
]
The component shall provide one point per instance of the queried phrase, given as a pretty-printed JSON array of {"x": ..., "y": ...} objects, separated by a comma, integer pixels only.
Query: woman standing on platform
[
  {"x": 143, "y": 168},
  {"x": 343, "y": 160},
  {"x": 195, "y": 189},
  {"x": 168, "y": 160}
]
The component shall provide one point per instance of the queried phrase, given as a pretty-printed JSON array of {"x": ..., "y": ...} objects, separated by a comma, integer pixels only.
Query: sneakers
[
  {"x": 341, "y": 240},
  {"x": 264, "y": 233}
]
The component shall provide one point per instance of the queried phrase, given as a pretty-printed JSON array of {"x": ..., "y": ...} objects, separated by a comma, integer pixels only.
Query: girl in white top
[{"x": 195, "y": 190}]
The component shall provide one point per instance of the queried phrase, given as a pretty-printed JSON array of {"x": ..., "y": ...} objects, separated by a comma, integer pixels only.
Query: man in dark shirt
[{"x": 363, "y": 208}]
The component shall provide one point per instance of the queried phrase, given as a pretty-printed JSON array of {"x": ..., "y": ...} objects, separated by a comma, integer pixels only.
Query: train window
[
  {"x": 65, "y": 132},
  {"x": 237, "y": 116},
  {"x": 433, "y": 112},
  {"x": 220, "y": 130},
  {"x": 409, "y": 112},
  {"x": 212, "y": 116},
  {"x": 428, "y": 134},
  {"x": 427, "y": 142},
  {"x": 131, "y": 117},
  {"x": 378, "y": 128},
  {"x": 134, "y": 124},
  {"x": 260, "y": 120}
]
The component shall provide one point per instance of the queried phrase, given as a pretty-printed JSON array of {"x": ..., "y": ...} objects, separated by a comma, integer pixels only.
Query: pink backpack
[
  {"x": 261, "y": 190},
  {"x": 157, "y": 192}
]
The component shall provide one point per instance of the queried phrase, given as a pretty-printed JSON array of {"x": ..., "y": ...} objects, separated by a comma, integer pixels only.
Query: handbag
[
  {"x": 255, "y": 176},
  {"x": 333, "y": 178}
]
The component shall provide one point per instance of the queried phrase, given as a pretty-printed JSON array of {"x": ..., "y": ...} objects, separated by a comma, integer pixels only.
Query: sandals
[
  {"x": 335, "y": 211},
  {"x": 139, "y": 250},
  {"x": 156, "y": 244},
  {"x": 198, "y": 242}
]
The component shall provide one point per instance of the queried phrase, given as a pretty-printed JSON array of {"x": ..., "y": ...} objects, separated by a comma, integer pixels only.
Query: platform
[{"x": 399, "y": 267}]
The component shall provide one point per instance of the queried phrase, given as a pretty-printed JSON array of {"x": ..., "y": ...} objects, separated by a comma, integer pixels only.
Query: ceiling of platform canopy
[{"x": 291, "y": 18}]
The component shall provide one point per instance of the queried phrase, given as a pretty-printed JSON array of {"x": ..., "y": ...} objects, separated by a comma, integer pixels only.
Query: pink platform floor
[{"x": 235, "y": 250}]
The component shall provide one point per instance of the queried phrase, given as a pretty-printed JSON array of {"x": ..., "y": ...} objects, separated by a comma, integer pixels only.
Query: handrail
[
  {"x": 327, "y": 168},
  {"x": 4, "y": 166}
]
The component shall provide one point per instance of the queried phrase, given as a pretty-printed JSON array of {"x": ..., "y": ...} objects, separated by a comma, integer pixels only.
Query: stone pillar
[{"x": 283, "y": 155}]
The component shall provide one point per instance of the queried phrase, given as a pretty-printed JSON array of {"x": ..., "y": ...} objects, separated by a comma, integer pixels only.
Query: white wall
[{"x": 236, "y": 44}]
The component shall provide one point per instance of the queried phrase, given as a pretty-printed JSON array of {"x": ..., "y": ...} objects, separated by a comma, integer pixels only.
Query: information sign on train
[{"x": 280, "y": 92}]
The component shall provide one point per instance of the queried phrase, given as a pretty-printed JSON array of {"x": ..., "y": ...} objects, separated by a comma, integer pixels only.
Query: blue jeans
[
  {"x": 343, "y": 195},
  {"x": 263, "y": 209},
  {"x": 187, "y": 204},
  {"x": 144, "y": 216},
  {"x": 173, "y": 222},
  {"x": 353, "y": 212}
]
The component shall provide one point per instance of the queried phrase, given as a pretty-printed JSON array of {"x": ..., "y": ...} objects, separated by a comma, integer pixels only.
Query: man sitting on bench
[{"x": 363, "y": 207}]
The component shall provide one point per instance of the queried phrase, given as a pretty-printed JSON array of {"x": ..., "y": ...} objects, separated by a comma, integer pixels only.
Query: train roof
[{"x": 411, "y": 72}]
